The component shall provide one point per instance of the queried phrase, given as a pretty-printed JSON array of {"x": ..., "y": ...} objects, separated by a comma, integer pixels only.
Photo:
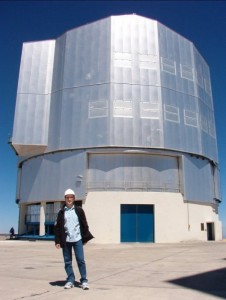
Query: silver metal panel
[
  {"x": 47, "y": 177},
  {"x": 87, "y": 55},
  {"x": 58, "y": 67},
  {"x": 82, "y": 57},
  {"x": 133, "y": 172},
  {"x": 134, "y": 35},
  {"x": 206, "y": 110},
  {"x": 188, "y": 118},
  {"x": 31, "y": 120},
  {"x": 79, "y": 113},
  {"x": 217, "y": 188},
  {"x": 55, "y": 121},
  {"x": 80, "y": 123},
  {"x": 36, "y": 68},
  {"x": 136, "y": 108},
  {"x": 136, "y": 116},
  {"x": 176, "y": 58},
  {"x": 181, "y": 122},
  {"x": 198, "y": 180}
]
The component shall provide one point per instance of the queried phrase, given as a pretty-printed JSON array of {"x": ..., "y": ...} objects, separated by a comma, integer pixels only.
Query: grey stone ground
[{"x": 34, "y": 270}]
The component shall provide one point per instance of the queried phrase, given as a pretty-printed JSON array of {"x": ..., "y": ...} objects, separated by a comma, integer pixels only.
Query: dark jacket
[{"x": 59, "y": 230}]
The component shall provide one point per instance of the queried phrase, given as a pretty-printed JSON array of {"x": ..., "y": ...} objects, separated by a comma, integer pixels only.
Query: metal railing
[
  {"x": 51, "y": 217},
  {"x": 133, "y": 186},
  {"x": 32, "y": 218},
  {"x": 35, "y": 218}
]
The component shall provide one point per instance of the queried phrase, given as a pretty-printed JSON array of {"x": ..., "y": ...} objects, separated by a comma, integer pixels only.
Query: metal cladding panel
[
  {"x": 188, "y": 116},
  {"x": 55, "y": 121},
  {"x": 31, "y": 119},
  {"x": 198, "y": 180},
  {"x": 33, "y": 97},
  {"x": 176, "y": 59},
  {"x": 181, "y": 126},
  {"x": 207, "y": 131},
  {"x": 136, "y": 112},
  {"x": 82, "y": 57},
  {"x": 54, "y": 173},
  {"x": 36, "y": 68},
  {"x": 217, "y": 189},
  {"x": 202, "y": 79},
  {"x": 58, "y": 66},
  {"x": 133, "y": 172},
  {"x": 89, "y": 124},
  {"x": 87, "y": 55},
  {"x": 134, "y": 35},
  {"x": 136, "y": 116},
  {"x": 79, "y": 113},
  {"x": 79, "y": 117},
  {"x": 206, "y": 110}
]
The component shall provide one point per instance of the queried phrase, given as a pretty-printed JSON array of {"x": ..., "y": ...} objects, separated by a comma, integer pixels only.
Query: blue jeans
[{"x": 79, "y": 255}]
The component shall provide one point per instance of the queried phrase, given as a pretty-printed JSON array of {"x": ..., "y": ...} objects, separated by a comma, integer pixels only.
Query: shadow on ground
[
  {"x": 62, "y": 283},
  {"x": 212, "y": 282}
]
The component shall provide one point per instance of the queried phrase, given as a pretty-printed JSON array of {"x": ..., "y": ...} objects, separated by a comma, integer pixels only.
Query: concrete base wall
[
  {"x": 22, "y": 214},
  {"x": 174, "y": 220}
]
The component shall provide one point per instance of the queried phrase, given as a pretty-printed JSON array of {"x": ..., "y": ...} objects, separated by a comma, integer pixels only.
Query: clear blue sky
[{"x": 202, "y": 22}]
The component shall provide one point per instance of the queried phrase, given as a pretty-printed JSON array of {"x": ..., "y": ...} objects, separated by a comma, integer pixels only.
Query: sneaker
[
  {"x": 69, "y": 285},
  {"x": 85, "y": 285}
]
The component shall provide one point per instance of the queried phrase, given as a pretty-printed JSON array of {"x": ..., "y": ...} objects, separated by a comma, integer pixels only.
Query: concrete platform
[{"x": 35, "y": 270}]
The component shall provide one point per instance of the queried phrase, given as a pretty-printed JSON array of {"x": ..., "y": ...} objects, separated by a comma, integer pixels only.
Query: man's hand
[{"x": 57, "y": 246}]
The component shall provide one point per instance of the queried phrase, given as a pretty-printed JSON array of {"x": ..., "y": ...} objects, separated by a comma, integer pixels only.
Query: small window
[
  {"x": 98, "y": 109},
  {"x": 172, "y": 113},
  {"x": 149, "y": 110},
  {"x": 186, "y": 72},
  {"x": 123, "y": 109},
  {"x": 190, "y": 118},
  {"x": 147, "y": 61},
  {"x": 168, "y": 65},
  {"x": 122, "y": 60},
  {"x": 202, "y": 226}
]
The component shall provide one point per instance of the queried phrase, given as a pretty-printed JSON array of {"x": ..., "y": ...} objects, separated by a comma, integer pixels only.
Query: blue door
[
  {"x": 137, "y": 223},
  {"x": 128, "y": 223}
]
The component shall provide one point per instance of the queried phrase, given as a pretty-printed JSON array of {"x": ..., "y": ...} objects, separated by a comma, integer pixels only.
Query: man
[
  {"x": 12, "y": 233},
  {"x": 72, "y": 231}
]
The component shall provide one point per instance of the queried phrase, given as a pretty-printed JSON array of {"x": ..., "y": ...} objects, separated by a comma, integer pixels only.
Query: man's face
[{"x": 69, "y": 199}]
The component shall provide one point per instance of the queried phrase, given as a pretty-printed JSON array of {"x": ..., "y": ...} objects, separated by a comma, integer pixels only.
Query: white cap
[{"x": 69, "y": 192}]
